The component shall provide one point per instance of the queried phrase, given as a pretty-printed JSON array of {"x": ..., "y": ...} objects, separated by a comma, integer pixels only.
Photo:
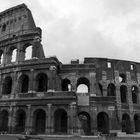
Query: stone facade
[{"x": 39, "y": 95}]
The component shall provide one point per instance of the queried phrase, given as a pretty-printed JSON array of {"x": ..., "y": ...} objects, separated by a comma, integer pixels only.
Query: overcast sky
[{"x": 74, "y": 29}]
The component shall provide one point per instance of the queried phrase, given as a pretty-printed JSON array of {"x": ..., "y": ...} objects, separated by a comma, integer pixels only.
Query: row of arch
[
  {"x": 38, "y": 122},
  {"x": 127, "y": 124},
  {"x": 61, "y": 122},
  {"x": 11, "y": 54},
  {"x": 42, "y": 85},
  {"x": 23, "y": 84},
  {"x": 84, "y": 86},
  {"x": 111, "y": 87},
  {"x": 124, "y": 94}
]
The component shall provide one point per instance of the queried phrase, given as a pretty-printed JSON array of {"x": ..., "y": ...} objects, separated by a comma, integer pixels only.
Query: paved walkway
[{"x": 43, "y": 137}]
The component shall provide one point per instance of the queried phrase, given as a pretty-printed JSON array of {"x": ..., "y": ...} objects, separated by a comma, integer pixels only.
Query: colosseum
[{"x": 40, "y": 95}]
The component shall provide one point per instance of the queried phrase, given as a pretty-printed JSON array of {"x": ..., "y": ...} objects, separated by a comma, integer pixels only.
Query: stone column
[
  {"x": 7, "y": 56},
  {"x": 31, "y": 85},
  {"x": 73, "y": 82},
  {"x": 18, "y": 85},
  {"x": 28, "y": 125},
  {"x": 14, "y": 84},
  {"x": 49, "y": 128},
  {"x": 138, "y": 79},
  {"x": 22, "y": 55},
  {"x": 79, "y": 130},
  {"x": 12, "y": 119},
  {"x": 129, "y": 98},
  {"x": 118, "y": 101},
  {"x": 131, "y": 109},
  {"x": 18, "y": 53},
  {"x": 92, "y": 78},
  {"x": 32, "y": 125},
  {"x": 132, "y": 125},
  {"x": 72, "y": 118},
  {"x": 51, "y": 80},
  {"x": 4, "y": 57},
  {"x": 93, "y": 119},
  {"x": 104, "y": 89},
  {"x": 104, "y": 78},
  {"x": 1, "y": 86},
  {"x": 113, "y": 122}
]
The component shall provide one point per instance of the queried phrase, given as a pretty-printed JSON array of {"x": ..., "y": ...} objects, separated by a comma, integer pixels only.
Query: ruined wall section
[
  {"x": 115, "y": 86},
  {"x": 109, "y": 66},
  {"x": 16, "y": 19},
  {"x": 123, "y": 75},
  {"x": 75, "y": 72},
  {"x": 18, "y": 32}
]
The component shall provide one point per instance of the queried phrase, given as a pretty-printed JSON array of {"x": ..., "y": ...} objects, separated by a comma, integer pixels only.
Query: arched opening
[
  {"x": 137, "y": 122},
  {"x": 39, "y": 121},
  {"x": 4, "y": 120},
  {"x": 134, "y": 91},
  {"x": 122, "y": 78},
  {"x": 4, "y": 27},
  {"x": 126, "y": 125},
  {"x": 24, "y": 83},
  {"x": 103, "y": 123},
  {"x": 66, "y": 85},
  {"x": 82, "y": 88},
  {"x": 41, "y": 82},
  {"x": 100, "y": 89},
  {"x": 28, "y": 52},
  {"x": 11, "y": 54},
  {"x": 20, "y": 121},
  {"x": 14, "y": 54},
  {"x": 84, "y": 119},
  {"x": 83, "y": 85},
  {"x": 123, "y": 92},
  {"x": 1, "y": 56},
  {"x": 111, "y": 90},
  {"x": 60, "y": 121},
  {"x": 7, "y": 86}
]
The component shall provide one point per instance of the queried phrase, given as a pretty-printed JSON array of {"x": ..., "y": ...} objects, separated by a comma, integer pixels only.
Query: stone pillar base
[
  {"x": 49, "y": 130},
  {"x": 28, "y": 130},
  {"x": 70, "y": 131},
  {"x": 94, "y": 132},
  {"x": 10, "y": 129}
]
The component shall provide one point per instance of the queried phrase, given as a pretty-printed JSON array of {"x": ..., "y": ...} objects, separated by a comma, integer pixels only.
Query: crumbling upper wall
[
  {"x": 16, "y": 19},
  {"x": 18, "y": 32},
  {"x": 109, "y": 66},
  {"x": 112, "y": 65}
]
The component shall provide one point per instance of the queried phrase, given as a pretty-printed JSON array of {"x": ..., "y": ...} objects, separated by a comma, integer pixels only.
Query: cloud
[
  {"x": 98, "y": 25},
  {"x": 122, "y": 6},
  {"x": 79, "y": 28}
]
